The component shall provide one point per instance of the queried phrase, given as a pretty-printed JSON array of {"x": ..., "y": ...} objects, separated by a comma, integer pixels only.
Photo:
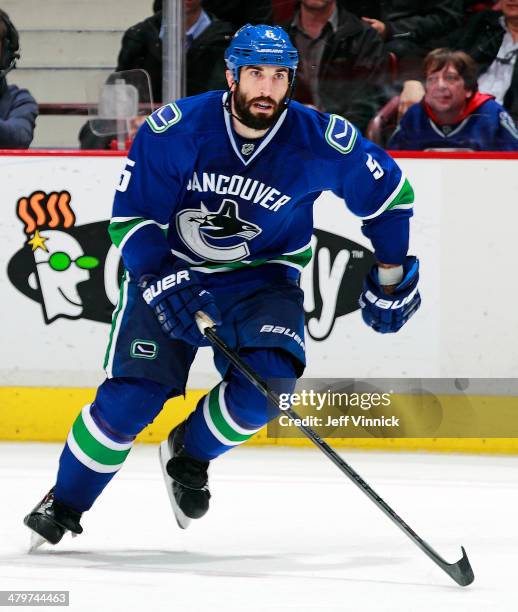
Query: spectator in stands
[
  {"x": 206, "y": 39},
  {"x": 453, "y": 113},
  {"x": 408, "y": 29},
  {"x": 18, "y": 109},
  {"x": 408, "y": 25},
  {"x": 238, "y": 12},
  {"x": 491, "y": 38},
  {"x": 341, "y": 61}
]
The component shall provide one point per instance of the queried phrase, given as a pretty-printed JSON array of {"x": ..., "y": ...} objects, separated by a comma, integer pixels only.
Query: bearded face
[{"x": 260, "y": 96}]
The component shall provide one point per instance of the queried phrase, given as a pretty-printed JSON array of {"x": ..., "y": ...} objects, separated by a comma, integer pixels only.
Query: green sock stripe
[
  {"x": 219, "y": 420},
  {"x": 93, "y": 448}
]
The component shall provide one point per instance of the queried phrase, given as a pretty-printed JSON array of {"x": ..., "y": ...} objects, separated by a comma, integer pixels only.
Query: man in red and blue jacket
[{"x": 454, "y": 114}]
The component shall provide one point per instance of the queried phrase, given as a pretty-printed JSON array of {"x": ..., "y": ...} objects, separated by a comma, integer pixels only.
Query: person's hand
[
  {"x": 412, "y": 93},
  {"x": 386, "y": 311},
  {"x": 378, "y": 25},
  {"x": 175, "y": 297}
]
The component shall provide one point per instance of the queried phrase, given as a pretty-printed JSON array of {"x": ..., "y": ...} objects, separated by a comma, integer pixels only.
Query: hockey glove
[
  {"x": 175, "y": 297},
  {"x": 387, "y": 313}
]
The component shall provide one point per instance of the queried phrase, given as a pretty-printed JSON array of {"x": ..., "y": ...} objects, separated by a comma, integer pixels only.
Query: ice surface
[{"x": 286, "y": 531}]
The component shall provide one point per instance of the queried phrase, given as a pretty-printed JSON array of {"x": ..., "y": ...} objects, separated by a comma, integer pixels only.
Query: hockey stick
[{"x": 460, "y": 571}]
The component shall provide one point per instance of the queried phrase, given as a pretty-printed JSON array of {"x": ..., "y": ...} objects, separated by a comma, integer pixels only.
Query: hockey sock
[
  {"x": 102, "y": 436},
  {"x": 234, "y": 410}
]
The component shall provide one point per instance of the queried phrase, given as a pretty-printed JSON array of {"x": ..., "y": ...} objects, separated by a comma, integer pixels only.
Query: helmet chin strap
[{"x": 227, "y": 105}]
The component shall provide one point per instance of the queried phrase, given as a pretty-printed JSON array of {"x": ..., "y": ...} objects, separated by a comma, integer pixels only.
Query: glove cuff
[{"x": 390, "y": 276}]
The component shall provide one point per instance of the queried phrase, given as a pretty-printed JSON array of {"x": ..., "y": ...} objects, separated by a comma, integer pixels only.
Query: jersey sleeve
[
  {"x": 507, "y": 136},
  {"x": 374, "y": 188},
  {"x": 145, "y": 199}
]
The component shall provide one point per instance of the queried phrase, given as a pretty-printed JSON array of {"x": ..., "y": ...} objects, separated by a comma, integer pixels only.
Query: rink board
[
  {"x": 463, "y": 231},
  {"x": 46, "y": 415}
]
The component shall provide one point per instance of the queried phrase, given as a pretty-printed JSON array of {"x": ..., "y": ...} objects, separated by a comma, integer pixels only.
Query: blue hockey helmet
[{"x": 261, "y": 44}]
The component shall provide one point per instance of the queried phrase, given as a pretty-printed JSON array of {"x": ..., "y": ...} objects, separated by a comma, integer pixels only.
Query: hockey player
[
  {"x": 213, "y": 213},
  {"x": 454, "y": 114}
]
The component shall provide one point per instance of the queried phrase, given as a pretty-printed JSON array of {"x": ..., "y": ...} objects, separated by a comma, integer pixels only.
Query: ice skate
[
  {"x": 186, "y": 479},
  {"x": 50, "y": 520}
]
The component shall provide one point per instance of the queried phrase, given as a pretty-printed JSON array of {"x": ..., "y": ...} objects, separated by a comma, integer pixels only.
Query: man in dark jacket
[
  {"x": 142, "y": 48},
  {"x": 238, "y": 13},
  {"x": 206, "y": 39},
  {"x": 341, "y": 61},
  {"x": 491, "y": 38},
  {"x": 18, "y": 109},
  {"x": 408, "y": 26},
  {"x": 409, "y": 29}
]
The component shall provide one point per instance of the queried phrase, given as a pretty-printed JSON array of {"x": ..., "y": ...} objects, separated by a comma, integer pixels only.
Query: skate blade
[
  {"x": 164, "y": 454},
  {"x": 36, "y": 541}
]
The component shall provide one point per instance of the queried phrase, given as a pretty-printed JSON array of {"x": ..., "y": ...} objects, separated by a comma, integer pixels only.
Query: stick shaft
[{"x": 461, "y": 571}]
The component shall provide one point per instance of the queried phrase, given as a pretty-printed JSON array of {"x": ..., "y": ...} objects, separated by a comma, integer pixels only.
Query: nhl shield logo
[{"x": 247, "y": 148}]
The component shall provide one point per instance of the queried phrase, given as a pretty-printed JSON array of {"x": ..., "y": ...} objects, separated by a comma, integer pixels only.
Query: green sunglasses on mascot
[{"x": 61, "y": 261}]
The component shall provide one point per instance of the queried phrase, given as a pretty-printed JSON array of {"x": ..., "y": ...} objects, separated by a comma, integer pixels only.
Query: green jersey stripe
[
  {"x": 116, "y": 323},
  {"x": 405, "y": 197},
  {"x": 121, "y": 231},
  {"x": 402, "y": 194},
  {"x": 297, "y": 260}
]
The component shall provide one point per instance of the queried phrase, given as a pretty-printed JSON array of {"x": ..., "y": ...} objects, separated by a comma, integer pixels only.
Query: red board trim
[
  {"x": 394, "y": 154},
  {"x": 59, "y": 153}
]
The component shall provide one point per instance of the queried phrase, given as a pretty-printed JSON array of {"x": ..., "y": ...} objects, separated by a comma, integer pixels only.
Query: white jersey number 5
[{"x": 374, "y": 167}]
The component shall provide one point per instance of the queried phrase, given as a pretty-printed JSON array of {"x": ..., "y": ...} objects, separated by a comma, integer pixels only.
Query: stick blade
[{"x": 461, "y": 571}]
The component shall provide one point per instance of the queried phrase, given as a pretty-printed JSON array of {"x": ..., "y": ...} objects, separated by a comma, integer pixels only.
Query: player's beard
[{"x": 243, "y": 106}]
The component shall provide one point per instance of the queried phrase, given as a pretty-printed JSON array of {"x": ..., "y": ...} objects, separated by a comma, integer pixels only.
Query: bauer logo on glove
[
  {"x": 387, "y": 313},
  {"x": 154, "y": 290},
  {"x": 176, "y": 297}
]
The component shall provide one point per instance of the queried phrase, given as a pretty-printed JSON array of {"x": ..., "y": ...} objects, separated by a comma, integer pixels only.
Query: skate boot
[
  {"x": 186, "y": 479},
  {"x": 49, "y": 521}
]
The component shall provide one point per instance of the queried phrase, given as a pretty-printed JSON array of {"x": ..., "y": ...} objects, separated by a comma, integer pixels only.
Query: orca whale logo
[{"x": 197, "y": 227}]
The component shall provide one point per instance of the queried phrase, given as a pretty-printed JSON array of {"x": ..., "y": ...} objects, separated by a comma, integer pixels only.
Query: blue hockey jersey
[
  {"x": 192, "y": 189},
  {"x": 485, "y": 125}
]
